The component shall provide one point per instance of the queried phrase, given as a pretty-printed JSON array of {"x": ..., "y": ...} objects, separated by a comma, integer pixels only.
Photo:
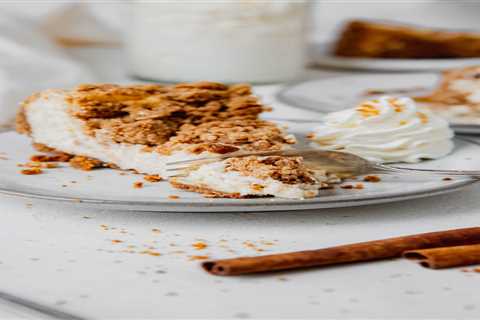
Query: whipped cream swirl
[{"x": 386, "y": 130}]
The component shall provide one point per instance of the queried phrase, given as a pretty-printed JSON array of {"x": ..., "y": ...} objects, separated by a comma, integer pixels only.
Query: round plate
[
  {"x": 342, "y": 92},
  {"x": 320, "y": 55},
  {"x": 113, "y": 189}
]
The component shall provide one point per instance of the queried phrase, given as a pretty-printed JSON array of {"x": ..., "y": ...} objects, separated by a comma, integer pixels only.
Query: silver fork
[{"x": 336, "y": 162}]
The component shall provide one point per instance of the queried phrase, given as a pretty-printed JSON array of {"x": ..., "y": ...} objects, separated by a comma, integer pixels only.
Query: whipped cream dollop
[{"x": 386, "y": 130}]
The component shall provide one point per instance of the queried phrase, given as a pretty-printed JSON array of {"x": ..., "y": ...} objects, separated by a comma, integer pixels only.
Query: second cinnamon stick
[
  {"x": 449, "y": 257},
  {"x": 365, "y": 251}
]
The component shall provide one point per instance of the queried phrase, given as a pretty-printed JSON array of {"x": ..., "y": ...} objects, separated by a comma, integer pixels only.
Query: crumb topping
[
  {"x": 152, "y": 114},
  {"x": 227, "y": 136},
  {"x": 289, "y": 170}
]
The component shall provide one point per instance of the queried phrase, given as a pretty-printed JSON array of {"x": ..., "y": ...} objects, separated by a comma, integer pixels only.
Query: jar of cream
[{"x": 257, "y": 41}]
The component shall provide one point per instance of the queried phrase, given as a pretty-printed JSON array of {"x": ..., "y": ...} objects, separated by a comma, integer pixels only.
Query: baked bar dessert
[
  {"x": 385, "y": 40},
  {"x": 253, "y": 176},
  {"x": 143, "y": 127},
  {"x": 457, "y": 96}
]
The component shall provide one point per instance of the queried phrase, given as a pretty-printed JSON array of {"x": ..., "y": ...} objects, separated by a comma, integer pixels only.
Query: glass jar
[{"x": 225, "y": 41}]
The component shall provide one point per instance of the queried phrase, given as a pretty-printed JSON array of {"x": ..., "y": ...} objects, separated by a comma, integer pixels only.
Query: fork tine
[{"x": 178, "y": 168}]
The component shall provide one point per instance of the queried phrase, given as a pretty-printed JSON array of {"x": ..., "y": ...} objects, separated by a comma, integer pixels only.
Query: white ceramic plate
[
  {"x": 107, "y": 188},
  {"x": 320, "y": 55},
  {"x": 342, "y": 92}
]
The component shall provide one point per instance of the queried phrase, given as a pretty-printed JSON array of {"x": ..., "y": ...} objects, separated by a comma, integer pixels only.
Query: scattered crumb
[
  {"x": 151, "y": 253},
  {"x": 465, "y": 270},
  {"x": 346, "y": 186},
  {"x": 44, "y": 165},
  {"x": 31, "y": 171},
  {"x": 138, "y": 185},
  {"x": 122, "y": 173},
  {"x": 173, "y": 197},
  {"x": 359, "y": 186},
  {"x": 156, "y": 230},
  {"x": 86, "y": 217},
  {"x": 282, "y": 279},
  {"x": 152, "y": 178},
  {"x": 64, "y": 185},
  {"x": 199, "y": 257},
  {"x": 371, "y": 178},
  {"x": 447, "y": 179},
  {"x": 476, "y": 270},
  {"x": 199, "y": 245},
  {"x": 117, "y": 241},
  {"x": 61, "y": 157},
  {"x": 85, "y": 163}
]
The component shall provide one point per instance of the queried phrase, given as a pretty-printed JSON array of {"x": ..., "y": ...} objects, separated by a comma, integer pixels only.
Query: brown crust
[
  {"x": 210, "y": 193},
  {"x": 385, "y": 40},
  {"x": 21, "y": 123}
]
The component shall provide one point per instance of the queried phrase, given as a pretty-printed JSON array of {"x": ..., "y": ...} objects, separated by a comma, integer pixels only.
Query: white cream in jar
[{"x": 225, "y": 41}]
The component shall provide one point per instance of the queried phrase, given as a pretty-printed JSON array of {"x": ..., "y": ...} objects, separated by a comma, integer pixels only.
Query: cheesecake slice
[
  {"x": 457, "y": 96},
  {"x": 143, "y": 127},
  {"x": 253, "y": 176}
]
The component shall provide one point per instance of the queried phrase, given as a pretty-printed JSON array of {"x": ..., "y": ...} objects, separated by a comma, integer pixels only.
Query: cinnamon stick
[
  {"x": 448, "y": 257},
  {"x": 365, "y": 251}
]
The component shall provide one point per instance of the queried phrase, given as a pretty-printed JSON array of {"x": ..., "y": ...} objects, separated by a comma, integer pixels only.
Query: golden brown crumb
[
  {"x": 44, "y": 165},
  {"x": 199, "y": 245},
  {"x": 173, "y": 197},
  {"x": 476, "y": 270},
  {"x": 359, "y": 186},
  {"x": 152, "y": 178},
  {"x": 156, "y": 230},
  {"x": 199, "y": 257},
  {"x": 58, "y": 157},
  {"x": 151, "y": 253},
  {"x": 346, "y": 186},
  {"x": 117, "y": 241},
  {"x": 371, "y": 178},
  {"x": 138, "y": 185},
  {"x": 31, "y": 171},
  {"x": 85, "y": 163}
]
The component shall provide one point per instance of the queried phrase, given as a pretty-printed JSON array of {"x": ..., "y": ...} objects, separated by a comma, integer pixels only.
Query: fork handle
[{"x": 469, "y": 173}]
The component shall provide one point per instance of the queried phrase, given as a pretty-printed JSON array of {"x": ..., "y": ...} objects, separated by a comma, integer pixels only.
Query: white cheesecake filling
[
  {"x": 214, "y": 176},
  {"x": 51, "y": 124},
  {"x": 386, "y": 130}
]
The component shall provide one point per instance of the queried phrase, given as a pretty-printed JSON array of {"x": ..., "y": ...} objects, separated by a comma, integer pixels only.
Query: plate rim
[
  {"x": 245, "y": 205},
  {"x": 281, "y": 95}
]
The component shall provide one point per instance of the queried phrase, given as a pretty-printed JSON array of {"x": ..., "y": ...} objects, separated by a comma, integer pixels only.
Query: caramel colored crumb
[
  {"x": 476, "y": 270},
  {"x": 371, "y": 178},
  {"x": 346, "y": 186},
  {"x": 199, "y": 257},
  {"x": 152, "y": 178},
  {"x": 31, "y": 171},
  {"x": 85, "y": 163},
  {"x": 59, "y": 157},
  {"x": 199, "y": 245},
  {"x": 117, "y": 241},
  {"x": 156, "y": 230},
  {"x": 173, "y": 197},
  {"x": 138, "y": 185},
  {"x": 151, "y": 253},
  {"x": 44, "y": 165},
  {"x": 359, "y": 186}
]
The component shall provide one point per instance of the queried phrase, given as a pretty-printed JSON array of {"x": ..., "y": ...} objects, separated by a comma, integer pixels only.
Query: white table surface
[{"x": 61, "y": 256}]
